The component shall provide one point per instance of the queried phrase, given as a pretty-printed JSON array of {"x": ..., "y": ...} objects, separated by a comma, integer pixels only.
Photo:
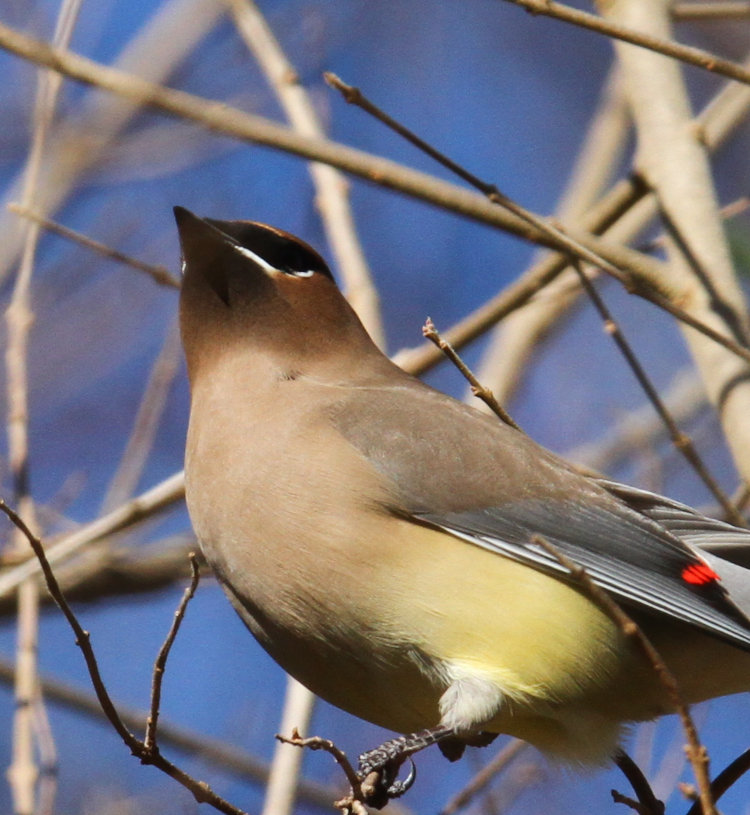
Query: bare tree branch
[
  {"x": 214, "y": 752},
  {"x": 221, "y": 118},
  {"x": 700, "y": 273},
  {"x": 658, "y": 44},
  {"x": 148, "y": 754},
  {"x": 515, "y": 339},
  {"x": 680, "y": 439},
  {"x": 332, "y": 196},
  {"x": 143, "y": 506},
  {"x": 159, "y": 274},
  {"x": 23, "y": 771},
  {"x": 652, "y": 288}
]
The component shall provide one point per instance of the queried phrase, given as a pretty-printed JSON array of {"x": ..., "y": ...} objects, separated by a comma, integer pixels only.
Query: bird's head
[{"x": 252, "y": 285}]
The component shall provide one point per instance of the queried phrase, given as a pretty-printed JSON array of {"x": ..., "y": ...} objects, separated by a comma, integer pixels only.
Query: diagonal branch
[
  {"x": 159, "y": 274},
  {"x": 621, "y": 214},
  {"x": 221, "y": 118},
  {"x": 19, "y": 316},
  {"x": 661, "y": 45},
  {"x": 675, "y": 163},
  {"x": 164, "y": 494},
  {"x": 654, "y": 287},
  {"x": 332, "y": 188},
  {"x": 518, "y": 337},
  {"x": 523, "y": 332},
  {"x": 680, "y": 438},
  {"x": 147, "y": 754}
]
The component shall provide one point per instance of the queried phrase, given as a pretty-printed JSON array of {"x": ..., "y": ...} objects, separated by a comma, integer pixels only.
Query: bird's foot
[
  {"x": 378, "y": 768},
  {"x": 453, "y": 747}
]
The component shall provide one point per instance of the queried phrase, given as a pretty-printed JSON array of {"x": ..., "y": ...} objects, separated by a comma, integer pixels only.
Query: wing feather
[{"x": 632, "y": 557}]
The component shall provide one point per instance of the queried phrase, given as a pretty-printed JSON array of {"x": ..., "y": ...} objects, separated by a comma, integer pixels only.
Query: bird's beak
[
  {"x": 189, "y": 225},
  {"x": 205, "y": 250},
  {"x": 198, "y": 238}
]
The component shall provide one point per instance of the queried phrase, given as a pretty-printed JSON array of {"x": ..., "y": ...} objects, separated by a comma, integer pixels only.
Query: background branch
[
  {"x": 508, "y": 96},
  {"x": 675, "y": 163},
  {"x": 630, "y": 33},
  {"x": 221, "y": 118}
]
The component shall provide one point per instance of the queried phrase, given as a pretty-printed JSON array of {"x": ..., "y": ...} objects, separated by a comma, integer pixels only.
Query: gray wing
[
  {"x": 452, "y": 467},
  {"x": 708, "y": 534},
  {"x": 640, "y": 564}
]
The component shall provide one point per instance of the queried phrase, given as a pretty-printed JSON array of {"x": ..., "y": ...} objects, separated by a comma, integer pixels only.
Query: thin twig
[
  {"x": 220, "y": 117},
  {"x": 635, "y": 268},
  {"x": 505, "y": 360},
  {"x": 354, "y": 96},
  {"x": 712, "y": 10},
  {"x": 163, "y": 495},
  {"x": 160, "y": 664},
  {"x": 212, "y": 751},
  {"x": 718, "y": 119},
  {"x": 159, "y": 274},
  {"x": 332, "y": 188},
  {"x": 318, "y": 743},
  {"x": 619, "y": 200},
  {"x": 724, "y": 780},
  {"x": 648, "y": 803},
  {"x": 680, "y": 439},
  {"x": 433, "y": 335},
  {"x": 352, "y": 803},
  {"x": 23, "y": 772},
  {"x": 82, "y": 636},
  {"x": 696, "y": 752},
  {"x": 684, "y": 53},
  {"x": 484, "y": 777},
  {"x": 504, "y": 363},
  {"x": 199, "y": 789},
  {"x": 649, "y": 287},
  {"x": 700, "y": 273}
]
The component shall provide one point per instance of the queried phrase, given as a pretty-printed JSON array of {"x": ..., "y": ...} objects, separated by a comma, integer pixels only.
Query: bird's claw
[
  {"x": 378, "y": 771},
  {"x": 379, "y": 781},
  {"x": 397, "y": 788}
]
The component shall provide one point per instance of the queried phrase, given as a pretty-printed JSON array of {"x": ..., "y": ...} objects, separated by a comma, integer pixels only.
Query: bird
[{"x": 402, "y": 554}]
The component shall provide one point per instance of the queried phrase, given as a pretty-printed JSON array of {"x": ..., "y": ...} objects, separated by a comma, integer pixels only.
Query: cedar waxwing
[{"x": 381, "y": 539}]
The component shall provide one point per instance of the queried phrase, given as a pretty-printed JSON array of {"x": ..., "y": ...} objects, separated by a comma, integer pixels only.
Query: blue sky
[{"x": 505, "y": 93}]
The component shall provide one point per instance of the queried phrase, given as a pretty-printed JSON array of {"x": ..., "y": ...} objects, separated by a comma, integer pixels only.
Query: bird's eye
[
  {"x": 248, "y": 253},
  {"x": 298, "y": 272}
]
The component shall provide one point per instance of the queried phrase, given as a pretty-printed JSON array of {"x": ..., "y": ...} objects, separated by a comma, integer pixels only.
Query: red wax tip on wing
[{"x": 698, "y": 574}]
